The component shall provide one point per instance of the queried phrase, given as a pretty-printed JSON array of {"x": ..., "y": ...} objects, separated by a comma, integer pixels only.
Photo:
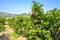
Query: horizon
[{"x": 21, "y": 6}]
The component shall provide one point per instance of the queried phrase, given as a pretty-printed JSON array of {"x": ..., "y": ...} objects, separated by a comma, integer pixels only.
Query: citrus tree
[{"x": 53, "y": 16}]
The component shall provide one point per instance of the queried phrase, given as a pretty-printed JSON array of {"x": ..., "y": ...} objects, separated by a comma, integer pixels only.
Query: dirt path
[{"x": 7, "y": 32}]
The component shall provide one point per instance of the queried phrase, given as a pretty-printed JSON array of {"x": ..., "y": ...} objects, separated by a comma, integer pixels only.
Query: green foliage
[
  {"x": 2, "y": 20},
  {"x": 14, "y": 35},
  {"x": 1, "y": 27},
  {"x": 38, "y": 25}
]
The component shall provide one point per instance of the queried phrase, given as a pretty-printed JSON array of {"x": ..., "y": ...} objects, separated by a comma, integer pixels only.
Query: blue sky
[{"x": 24, "y": 6}]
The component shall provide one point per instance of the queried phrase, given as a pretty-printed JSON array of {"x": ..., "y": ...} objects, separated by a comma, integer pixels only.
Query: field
[{"x": 38, "y": 25}]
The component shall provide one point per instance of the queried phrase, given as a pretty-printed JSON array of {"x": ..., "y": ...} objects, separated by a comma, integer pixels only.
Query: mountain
[{"x": 4, "y": 14}]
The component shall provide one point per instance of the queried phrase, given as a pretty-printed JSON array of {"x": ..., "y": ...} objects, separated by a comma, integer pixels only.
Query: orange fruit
[
  {"x": 33, "y": 33},
  {"x": 59, "y": 28},
  {"x": 36, "y": 13},
  {"x": 30, "y": 26},
  {"x": 41, "y": 10}
]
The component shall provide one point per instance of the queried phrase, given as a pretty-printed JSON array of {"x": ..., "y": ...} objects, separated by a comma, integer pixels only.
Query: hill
[{"x": 4, "y": 14}]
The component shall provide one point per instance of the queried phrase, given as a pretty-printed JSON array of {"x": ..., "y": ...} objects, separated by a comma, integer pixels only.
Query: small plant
[
  {"x": 14, "y": 35},
  {"x": 2, "y": 20}
]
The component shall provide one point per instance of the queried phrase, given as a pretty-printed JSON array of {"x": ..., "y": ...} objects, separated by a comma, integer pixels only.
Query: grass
[{"x": 14, "y": 35}]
